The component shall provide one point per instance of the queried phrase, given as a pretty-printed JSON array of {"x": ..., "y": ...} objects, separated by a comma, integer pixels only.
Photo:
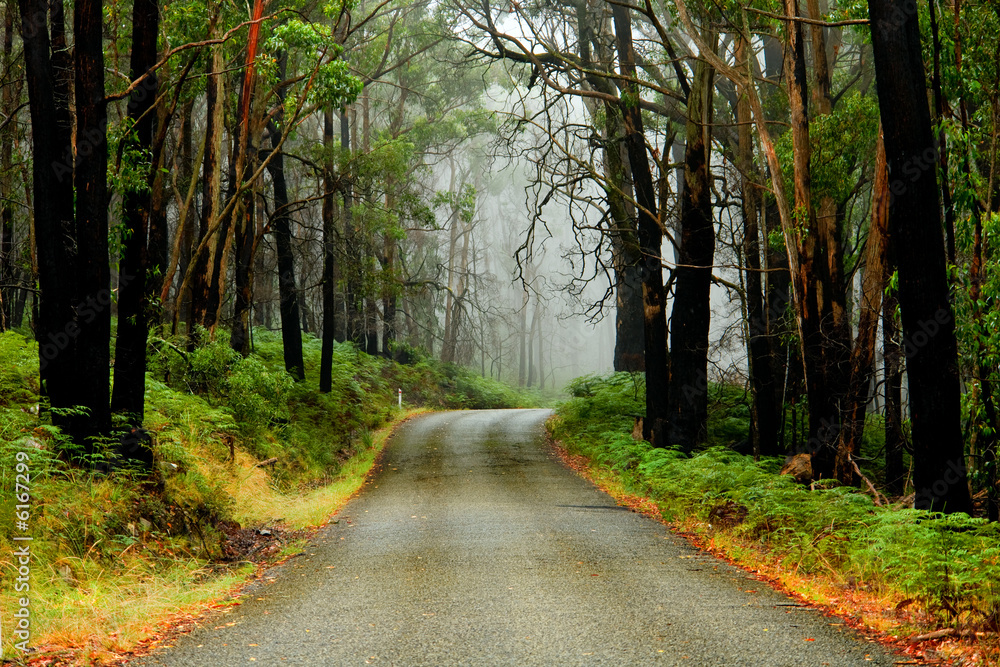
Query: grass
[
  {"x": 110, "y": 613},
  {"x": 901, "y": 570},
  {"x": 237, "y": 445}
]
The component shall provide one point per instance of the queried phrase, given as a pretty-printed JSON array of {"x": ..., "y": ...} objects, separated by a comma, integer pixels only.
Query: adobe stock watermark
[
  {"x": 912, "y": 169},
  {"x": 87, "y": 311},
  {"x": 86, "y": 143},
  {"x": 928, "y": 329},
  {"x": 954, "y": 472},
  {"x": 900, "y": 13},
  {"x": 32, "y": 24},
  {"x": 21, "y": 555},
  {"x": 693, "y": 390}
]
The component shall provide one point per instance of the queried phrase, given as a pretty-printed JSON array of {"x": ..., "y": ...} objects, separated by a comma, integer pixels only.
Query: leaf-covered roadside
[{"x": 911, "y": 570}]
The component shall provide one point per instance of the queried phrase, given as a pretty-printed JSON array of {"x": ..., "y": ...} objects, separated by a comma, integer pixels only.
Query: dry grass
[
  {"x": 93, "y": 622},
  {"x": 86, "y": 613}
]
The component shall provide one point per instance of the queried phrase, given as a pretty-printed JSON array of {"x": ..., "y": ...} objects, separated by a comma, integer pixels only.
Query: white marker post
[{"x": 400, "y": 399}]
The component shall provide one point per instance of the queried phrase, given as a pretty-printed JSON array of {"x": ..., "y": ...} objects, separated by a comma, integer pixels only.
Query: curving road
[{"x": 473, "y": 545}]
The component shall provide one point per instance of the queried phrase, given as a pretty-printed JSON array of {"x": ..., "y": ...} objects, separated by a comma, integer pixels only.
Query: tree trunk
[
  {"x": 863, "y": 354},
  {"x": 52, "y": 194},
  {"x": 244, "y": 158},
  {"x": 210, "y": 194},
  {"x": 93, "y": 277},
  {"x": 158, "y": 245},
  {"x": 626, "y": 255},
  {"x": 764, "y": 401},
  {"x": 824, "y": 330},
  {"x": 128, "y": 396},
  {"x": 353, "y": 297},
  {"x": 288, "y": 297},
  {"x": 541, "y": 365},
  {"x": 531, "y": 346},
  {"x": 625, "y": 251},
  {"x": 389, "y": 295},
  {"x": 245, "y": 246},
  {"x": 650, "y": 240},
  {"x": 8, "y": 273},
  {"x": 329, "y": 247},
  {"x": 690, "y": 318},
  {"x": 892, "y": 360},
  {"x": 939, "y": 470},
  {"x": 185, "y": 226},
  {"x": 522, "y": 359}
]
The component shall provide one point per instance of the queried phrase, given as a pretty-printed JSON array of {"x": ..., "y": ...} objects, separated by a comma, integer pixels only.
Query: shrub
[
  {"x": 257, "y": 396},
  {"x": 952, "y": 562}
]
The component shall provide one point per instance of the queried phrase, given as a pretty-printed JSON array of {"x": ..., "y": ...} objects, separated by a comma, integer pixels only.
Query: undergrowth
[
  {"x": 237, "y": 444},
  {"x": 947, "y": 565}
]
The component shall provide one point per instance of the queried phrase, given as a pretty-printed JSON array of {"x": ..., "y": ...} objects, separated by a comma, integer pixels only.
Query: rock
[{"x": 800, "y": 467}]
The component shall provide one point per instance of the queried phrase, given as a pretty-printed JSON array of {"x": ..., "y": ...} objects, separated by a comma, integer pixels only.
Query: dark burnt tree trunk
[
  {"x": 764, "y": 401},
  {"x": 688, "y": 408},
  {"x": 650, "y": 241},
  {"x": 541, "y": 363},
  {"x": 915, "y": 231},
  {"x": 778, "y": 323},
  {"x": 8, "y": 272},
  {"x": 291, "y": 334},
  {"x": 93, "y": 278},
  {"x": 532, "y": 371},
  {"x": 158, "y": 244},
  {"x": 329, "y": 258},
  {"x": 626, "y": 255},
  {"x": 244, "y": 246},
  {"x": 352, "y": 295},
  {"x": 371, "y": 326},
  {"x": 892, "y": 364},
  {"x": 128, "y": 395},
  {"x": 52, "y": 166}
]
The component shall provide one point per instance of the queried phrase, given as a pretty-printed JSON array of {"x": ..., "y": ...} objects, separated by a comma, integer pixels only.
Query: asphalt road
[{"x": 474, "y": 545}]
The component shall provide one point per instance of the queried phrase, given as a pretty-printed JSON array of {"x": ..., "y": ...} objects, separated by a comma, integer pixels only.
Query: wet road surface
[{"x": 474, "y": 545}]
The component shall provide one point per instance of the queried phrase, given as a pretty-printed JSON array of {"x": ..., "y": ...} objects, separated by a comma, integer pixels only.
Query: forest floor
[
  {"x": 899, "y": 625},
  {"x": 249, "y": 552}
]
